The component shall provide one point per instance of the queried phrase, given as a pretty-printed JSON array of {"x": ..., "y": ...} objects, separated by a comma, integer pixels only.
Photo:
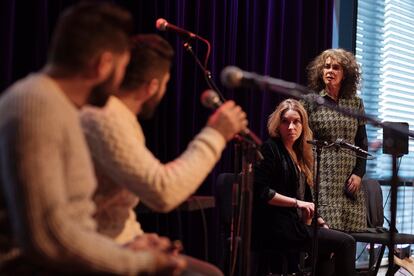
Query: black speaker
[{"x": 395, "y": 142}]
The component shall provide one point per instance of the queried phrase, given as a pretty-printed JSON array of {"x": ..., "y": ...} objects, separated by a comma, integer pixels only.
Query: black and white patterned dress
[{"x": 339, "y": 211}]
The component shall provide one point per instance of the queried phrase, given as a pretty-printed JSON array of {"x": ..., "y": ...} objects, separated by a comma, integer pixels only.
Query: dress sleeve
[{"x": 361, "y": 141}]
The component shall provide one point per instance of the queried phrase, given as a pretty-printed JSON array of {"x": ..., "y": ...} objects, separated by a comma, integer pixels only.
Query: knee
[{"x": 348, "y": 241}]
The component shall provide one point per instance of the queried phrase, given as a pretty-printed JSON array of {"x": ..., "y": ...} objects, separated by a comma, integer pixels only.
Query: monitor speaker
[{"x": 395, "y": 142}]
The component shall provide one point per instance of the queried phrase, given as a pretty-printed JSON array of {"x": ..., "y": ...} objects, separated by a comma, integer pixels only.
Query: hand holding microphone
[{"x": 229, "y": 119}]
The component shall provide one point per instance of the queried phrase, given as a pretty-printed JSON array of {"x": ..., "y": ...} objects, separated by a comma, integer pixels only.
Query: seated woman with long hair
[{"x": 283, "y": 207}]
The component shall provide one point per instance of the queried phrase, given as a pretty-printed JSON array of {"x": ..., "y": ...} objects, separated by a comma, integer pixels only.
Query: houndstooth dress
[{"x": 336, "y": 166}]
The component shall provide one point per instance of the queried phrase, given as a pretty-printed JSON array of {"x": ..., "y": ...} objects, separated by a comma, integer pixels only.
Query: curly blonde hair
[
  {"x": 302, "y": 149},
  {"x": 352, "y": 72}
]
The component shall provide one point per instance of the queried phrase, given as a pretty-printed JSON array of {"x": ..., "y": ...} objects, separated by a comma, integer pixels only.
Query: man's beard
[
  {"x": 148, "y": 108},
  {"x": 101, "y": 92}
]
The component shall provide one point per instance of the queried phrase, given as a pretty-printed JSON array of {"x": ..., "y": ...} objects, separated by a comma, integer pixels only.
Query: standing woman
[
  {"x": 283, "y": 204},
  {"x": 335, "y": 75}
]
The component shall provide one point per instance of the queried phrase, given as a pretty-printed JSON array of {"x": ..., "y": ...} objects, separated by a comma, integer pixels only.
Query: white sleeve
[{"x": 126, "y": 159}]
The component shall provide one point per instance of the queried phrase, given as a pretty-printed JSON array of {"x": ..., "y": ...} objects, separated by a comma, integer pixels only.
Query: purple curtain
[
  {"x": 272, "y": 37},
  {"x": 276, "y": 38}
]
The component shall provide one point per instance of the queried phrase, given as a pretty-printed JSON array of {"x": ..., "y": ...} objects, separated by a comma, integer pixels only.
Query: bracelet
[{"x": 296, "y": 203}]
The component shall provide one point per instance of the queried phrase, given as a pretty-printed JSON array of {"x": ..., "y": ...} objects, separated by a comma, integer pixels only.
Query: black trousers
[{"x": 343, "y": 247}]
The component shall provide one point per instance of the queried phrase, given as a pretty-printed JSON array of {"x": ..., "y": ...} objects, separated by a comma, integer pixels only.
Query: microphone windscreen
[
  {"x": 231, "y": 76},
  {"x": 161, "y": 24},
  {"x": 210, "y": 99}
]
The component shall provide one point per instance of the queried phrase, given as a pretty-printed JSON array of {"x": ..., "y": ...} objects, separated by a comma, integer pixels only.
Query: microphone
[
  {"x": 162, "y": 25},
  {"x": 211, "y": 99},
  {"x": 341, "y": 143},
  {"x": 318, "y": 143},
  {"x": 232, "y": 77}
]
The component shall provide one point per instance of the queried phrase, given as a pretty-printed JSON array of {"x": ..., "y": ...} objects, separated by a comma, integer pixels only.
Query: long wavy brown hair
[
  {"x": 352, "y": 72},
  {"x": 302, "y": 149}
]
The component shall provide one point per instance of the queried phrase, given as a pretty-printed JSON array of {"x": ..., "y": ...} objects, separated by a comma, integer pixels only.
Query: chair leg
[
  {"x": 302, "y": 270},
  {"x": 377, "y": 267},
  {"x": 371, "y": 255},
  {"x": 285, "y": 265}
]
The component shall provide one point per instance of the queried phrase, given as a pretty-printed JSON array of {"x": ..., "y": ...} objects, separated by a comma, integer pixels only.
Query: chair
[
  {"x": 223, "y": 196},
  {"x": 376, "y": 234},
  {"x": 266, "y": 262}
]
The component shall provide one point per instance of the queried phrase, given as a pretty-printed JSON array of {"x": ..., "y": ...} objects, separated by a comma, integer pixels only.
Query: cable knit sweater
[
  {"x": 126, "y": 169},
  {"x": 47, "y": 183}
]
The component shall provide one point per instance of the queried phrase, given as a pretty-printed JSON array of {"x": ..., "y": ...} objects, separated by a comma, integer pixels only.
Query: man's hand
[
  {"x": 229, "y": 119},
  {"x": 167, "y": 259},
  {"x": 167, "y": 264},
  {"x": 150, "y": 241}
]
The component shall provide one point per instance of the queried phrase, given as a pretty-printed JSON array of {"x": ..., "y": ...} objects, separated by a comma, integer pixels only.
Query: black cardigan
[{"x": 276, "y": 227}]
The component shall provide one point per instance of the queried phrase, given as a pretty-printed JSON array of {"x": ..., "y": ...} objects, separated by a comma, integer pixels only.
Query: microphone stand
[
  {"x": 297, "y": 91},
  {"x": 318, "y": 145},
  {"x": 206, "y": 73},
  {"x": 241, "y": 225},
  {"x": 315, "y": 214},
  {"x": 393, "y": 208}
]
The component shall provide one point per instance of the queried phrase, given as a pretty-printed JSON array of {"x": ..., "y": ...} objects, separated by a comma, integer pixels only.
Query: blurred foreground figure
[{"x": 47, "y": 179}]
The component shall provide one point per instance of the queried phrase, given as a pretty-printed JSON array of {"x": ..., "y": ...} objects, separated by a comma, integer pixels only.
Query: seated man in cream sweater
[
  {"x": 46, "y": 177},
  {"x": 127, "y": 171}
]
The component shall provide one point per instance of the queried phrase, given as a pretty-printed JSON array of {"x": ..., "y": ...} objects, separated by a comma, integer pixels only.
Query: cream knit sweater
[
  {"x": 126, "y": 169},
  {"x": 47, "y": 183}
]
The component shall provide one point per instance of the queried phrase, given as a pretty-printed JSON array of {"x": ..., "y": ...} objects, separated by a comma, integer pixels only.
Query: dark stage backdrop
[{"x": 272, "y": 37}]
